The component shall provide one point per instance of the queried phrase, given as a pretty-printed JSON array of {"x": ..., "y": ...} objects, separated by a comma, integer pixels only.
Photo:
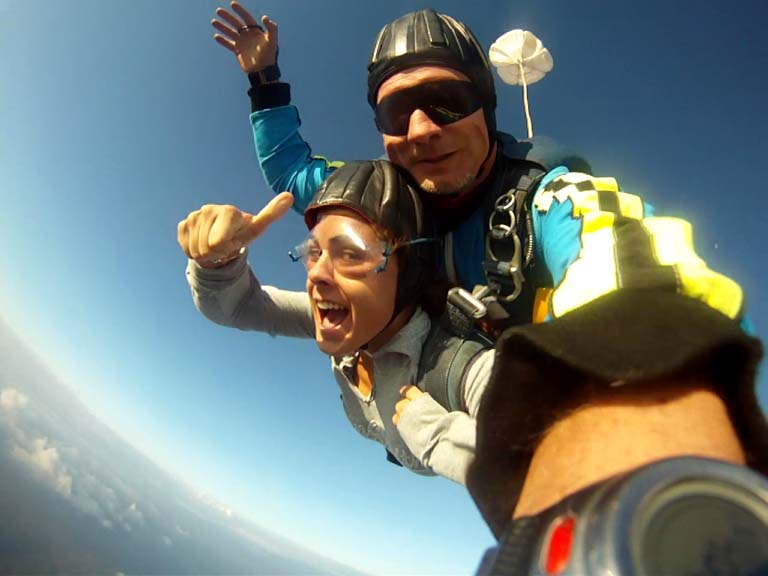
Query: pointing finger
[{"x": 272, "y": 212}]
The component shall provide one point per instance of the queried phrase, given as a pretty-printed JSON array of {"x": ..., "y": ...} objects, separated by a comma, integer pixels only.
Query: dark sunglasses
[{"x": 444, "y": 102}]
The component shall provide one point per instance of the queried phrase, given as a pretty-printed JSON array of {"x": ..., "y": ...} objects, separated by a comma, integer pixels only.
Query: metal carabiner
[
  {"x": 501, "y": 230},
  {"x": 515, "y": 271},
  {"x": 467, "y": 303}
]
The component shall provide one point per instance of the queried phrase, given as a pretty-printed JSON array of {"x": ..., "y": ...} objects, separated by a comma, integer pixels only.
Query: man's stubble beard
[{"x": 430, "y": 187}]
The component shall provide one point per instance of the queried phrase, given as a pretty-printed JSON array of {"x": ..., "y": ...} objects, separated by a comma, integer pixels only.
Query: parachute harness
[
  {"x": 502, "y": 227},
  {"x": 506, "y": 258}
]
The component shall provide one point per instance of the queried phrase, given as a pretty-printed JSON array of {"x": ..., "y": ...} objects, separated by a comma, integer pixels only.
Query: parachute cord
[{"x": 525, "y": 100}]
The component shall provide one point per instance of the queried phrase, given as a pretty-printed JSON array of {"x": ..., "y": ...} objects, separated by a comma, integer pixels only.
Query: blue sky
[{"x": 119, "y": 118}]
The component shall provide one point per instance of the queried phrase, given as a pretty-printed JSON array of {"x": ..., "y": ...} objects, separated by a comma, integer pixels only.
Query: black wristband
[
  {"x": 270, "y": 95},
  {"x": 269, "y": 74}
]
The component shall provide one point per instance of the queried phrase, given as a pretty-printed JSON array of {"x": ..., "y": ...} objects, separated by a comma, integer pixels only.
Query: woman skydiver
[{"x": 370, "y": 259}]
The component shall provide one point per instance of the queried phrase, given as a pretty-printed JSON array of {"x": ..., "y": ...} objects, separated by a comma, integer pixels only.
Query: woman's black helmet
[
  {"x": 384, "y": 195},
  {"x": 426, "y": 37}
]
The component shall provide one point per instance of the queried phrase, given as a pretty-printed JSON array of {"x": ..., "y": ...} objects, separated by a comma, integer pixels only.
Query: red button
[{"x": 560, "y": 542}]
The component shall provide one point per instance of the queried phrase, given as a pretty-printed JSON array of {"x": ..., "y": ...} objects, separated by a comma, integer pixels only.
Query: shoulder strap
[
  {"x": 444, "y": 360},
  {"x": 507, "y": 298},
  {"x": 509, "y": 240},
  {"x": 509, "y": 266}
]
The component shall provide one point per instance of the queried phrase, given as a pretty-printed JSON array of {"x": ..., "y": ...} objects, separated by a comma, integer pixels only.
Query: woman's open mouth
[{"x": 331, "y": 314}]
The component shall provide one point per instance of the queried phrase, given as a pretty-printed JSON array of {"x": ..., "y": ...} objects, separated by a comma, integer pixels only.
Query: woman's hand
[
  {"x": 407, "y": 395},
  {"x": 216, "y": 234}
]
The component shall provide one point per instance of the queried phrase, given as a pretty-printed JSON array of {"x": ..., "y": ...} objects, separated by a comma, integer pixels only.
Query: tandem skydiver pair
[{"x": 630, "y": 313}]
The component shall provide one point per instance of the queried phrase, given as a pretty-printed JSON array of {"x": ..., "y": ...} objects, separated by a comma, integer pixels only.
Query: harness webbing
[{"x": 445, "y": 359}]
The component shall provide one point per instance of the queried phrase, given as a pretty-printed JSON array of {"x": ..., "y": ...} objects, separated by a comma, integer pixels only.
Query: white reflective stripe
[
  {"x": 585, "y": 199},
  {"x": 673, "y": 245},
  {"x": 593, "y": 273}
]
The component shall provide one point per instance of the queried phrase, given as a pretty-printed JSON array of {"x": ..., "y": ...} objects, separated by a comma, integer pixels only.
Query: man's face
[
  {"x": 442, "y": 159},
  {"x": 352, "y": 302}
]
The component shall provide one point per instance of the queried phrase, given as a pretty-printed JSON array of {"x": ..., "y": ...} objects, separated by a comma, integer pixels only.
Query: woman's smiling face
[{"x": 352, "y": 298}]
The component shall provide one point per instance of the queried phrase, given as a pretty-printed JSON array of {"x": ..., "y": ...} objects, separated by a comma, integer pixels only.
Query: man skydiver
[
  {"x": 451, "y": 148},
  {"x": 571, "y": 243}
]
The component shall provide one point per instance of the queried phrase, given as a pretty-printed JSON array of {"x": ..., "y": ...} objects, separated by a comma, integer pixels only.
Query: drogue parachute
[{"x": 520, "y": 58}]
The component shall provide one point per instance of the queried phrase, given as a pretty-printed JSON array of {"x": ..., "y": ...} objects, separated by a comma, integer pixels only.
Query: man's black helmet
[
  {"x": 384, "y": 195},
  {"x": 426, "y": 37}
]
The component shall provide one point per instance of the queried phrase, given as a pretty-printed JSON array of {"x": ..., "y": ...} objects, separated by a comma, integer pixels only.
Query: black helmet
[
  {"x": 384, "y": 195},
  {"x": 426, "y": 37}
]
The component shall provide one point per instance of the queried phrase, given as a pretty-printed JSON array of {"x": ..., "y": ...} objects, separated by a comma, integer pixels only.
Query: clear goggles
[
  {"x": 444, "y": 101},
  {"x": 353, "y": 249}
]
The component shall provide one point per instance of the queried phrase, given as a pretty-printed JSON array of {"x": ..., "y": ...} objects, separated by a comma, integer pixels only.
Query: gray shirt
[{"x": 428, "y": 440}]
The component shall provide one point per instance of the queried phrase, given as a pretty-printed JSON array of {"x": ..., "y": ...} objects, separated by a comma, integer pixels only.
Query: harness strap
[
  {"x": 506, "y": 253},
  {"x": 508, "y": 299},
  {"x": 444, "y": 360}
]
